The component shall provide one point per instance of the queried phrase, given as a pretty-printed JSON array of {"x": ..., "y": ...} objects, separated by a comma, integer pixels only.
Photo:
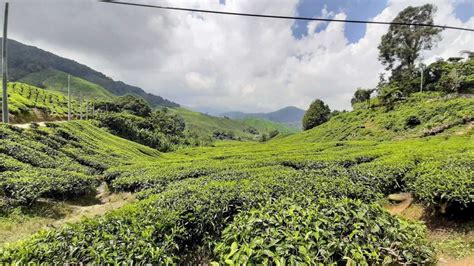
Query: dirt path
[
  {"x": 41, "y": 124},
  {"x": 21, "y": 225},
  {"x": 106, "y": 202},
  {"x": 466, "y": 261}
]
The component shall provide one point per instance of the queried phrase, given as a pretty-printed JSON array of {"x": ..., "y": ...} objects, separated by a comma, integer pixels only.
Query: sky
[{"x": 215, "y": 63}]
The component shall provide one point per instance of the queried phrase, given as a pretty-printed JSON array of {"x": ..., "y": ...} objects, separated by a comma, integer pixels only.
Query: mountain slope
[
  {"x": 28, "y": 103},
  {"x": 52, "y": 79},
  {"x": 290, "y": 116},
  {"x": 422, "y": 114},
  {"x": 207, "y": 125},
  {"x": 25, "y": 59}
]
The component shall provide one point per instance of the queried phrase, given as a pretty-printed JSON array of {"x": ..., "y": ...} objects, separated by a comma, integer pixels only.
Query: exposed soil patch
[
  {"x": 51, "y": 214},
  {"x": 403, "y": 200},
  {"x": 452, "y": 238}
]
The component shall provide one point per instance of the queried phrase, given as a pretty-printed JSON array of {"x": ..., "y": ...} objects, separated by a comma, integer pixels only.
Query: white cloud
[{"x": 219, "y": 61}]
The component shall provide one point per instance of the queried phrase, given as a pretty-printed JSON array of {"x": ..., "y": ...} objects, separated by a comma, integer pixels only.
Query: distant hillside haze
[
  {"x": 24, "y": 60},
  {"x": 290, "y": 116}
]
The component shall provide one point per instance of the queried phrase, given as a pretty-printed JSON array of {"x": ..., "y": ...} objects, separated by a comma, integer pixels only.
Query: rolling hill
[
  {"x": 290, "y": 116},
  {"x": 25, "y": 60},
  {"x": 207, "y": 125},
  {"x": 52, "y": 79},
  {"x": 29, "y": 103},
  {"x": 420, "y": 115}
]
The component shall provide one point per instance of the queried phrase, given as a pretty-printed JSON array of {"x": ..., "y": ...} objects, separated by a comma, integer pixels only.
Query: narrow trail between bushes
[
  {"x": 104, "y": 202},
  {"x": 16, "y": 227},
  {"x": 41, "y": 124}
]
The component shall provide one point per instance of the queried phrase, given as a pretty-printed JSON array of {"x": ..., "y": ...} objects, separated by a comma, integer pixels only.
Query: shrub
[{"x": 325, "y": 231}]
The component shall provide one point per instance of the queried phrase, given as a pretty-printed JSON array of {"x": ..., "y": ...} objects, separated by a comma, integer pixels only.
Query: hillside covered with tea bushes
[
  {"x": 419, "y": 115},
  {"x": 59, "y": 161},
  {"x": 55, "y": 80},
  {"x": 28, "y": 103},
  {"x": 304, "y": 198}
]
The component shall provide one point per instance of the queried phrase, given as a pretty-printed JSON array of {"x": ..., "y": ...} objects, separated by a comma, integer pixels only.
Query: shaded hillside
[
  {"x": 422, "y": 114},
  {"x": 290, "y": 116},
  {"x": 25, "y": 59},
  {"x": 207, "y": 125},
  {"x": 55, "y": 80}
]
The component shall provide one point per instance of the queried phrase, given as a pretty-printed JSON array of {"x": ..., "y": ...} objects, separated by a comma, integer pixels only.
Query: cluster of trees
[
  {"x": 132, "y": 118},
  {"x": 399, "y": 50}
]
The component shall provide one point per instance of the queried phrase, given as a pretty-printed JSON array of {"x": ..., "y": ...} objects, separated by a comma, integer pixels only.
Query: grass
[
  {"x": 453, "y": 239},
  {"x": 55, "y": 80}
]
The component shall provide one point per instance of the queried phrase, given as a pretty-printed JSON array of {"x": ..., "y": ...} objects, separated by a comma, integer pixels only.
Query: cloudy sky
[{"x": 219, "y": 63}]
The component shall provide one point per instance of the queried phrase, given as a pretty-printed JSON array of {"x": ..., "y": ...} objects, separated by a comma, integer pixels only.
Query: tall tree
[
  {"x": 401, "y": 45},
  {"x": 317, "y": 114},
  {"x": 361, "y": 95}
]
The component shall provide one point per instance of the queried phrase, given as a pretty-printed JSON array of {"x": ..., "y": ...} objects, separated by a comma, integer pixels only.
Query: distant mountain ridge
[
  {"x": 290, "y": 116},
  {"x": 25, "y": 59}
]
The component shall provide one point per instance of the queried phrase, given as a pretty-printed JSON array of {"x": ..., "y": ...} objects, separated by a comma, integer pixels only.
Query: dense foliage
[
  {"x": 282, "y": 200},
  {"x": 317, "y": 113},
  {"x": 418, "y": 115},
  {"x": 324, "y": 231},
  {"x": 361, "y": 95},
  {"x": 57, "y": 161},
  {"x": 401, "y": 46},
  {"x": 159, "y": 130}
]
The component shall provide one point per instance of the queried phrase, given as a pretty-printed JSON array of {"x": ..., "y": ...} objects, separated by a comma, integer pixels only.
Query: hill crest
[
  {"x": 25, "y": 59},
  {"x": 290, "y": 116}
]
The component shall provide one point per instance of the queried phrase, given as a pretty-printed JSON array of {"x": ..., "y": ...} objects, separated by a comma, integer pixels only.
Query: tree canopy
[
  {"x": 361, "y": 95},
  {"x": 402, "y": 45},
  {"x": 317, "y": 114}
]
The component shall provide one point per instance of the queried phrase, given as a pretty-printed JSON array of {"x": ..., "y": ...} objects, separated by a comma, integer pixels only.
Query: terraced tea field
[
  {"x": 28, "y": 103},
  {"x": 287, "y": 201}
]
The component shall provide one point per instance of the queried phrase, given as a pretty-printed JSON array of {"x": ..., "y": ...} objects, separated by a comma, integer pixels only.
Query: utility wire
[{"x": 284, "y": 17}]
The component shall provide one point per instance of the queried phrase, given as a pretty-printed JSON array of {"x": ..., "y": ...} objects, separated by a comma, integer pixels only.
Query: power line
[{"x": 284, "y": 17}]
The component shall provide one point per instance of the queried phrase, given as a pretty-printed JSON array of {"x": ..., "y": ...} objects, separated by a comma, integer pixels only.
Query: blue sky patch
[
  {"x": 356, "y": 9},
  {"x": 464, "y": 10}
]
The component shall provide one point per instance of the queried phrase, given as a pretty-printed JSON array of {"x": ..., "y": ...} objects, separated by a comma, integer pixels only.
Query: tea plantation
[
  {"x": 310, "y": 198},
  {"x": 24, "y": 100}
]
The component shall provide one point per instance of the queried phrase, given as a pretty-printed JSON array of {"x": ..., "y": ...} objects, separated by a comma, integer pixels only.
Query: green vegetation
[
  {"x": 289, "y": 116},
  {"x": 257, "y": 202},
  {"x": 29, "y": 103},
  {"x": 56, "y": 80},
  {"x": 286, "y": 232},
  {"x": 25, "y": 60},
  {"x": 317, "y": 114},
  {"x": 313, "y": 197},
  {"x": 419, "y": 115},
  {"x": 401, "y": 46},
  {"x": 251, "y": 128},
  {"x": 59, "y": 161}
]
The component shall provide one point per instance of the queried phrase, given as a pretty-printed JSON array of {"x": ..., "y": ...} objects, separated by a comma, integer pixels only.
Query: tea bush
[{"x": 324, "y": 231}]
